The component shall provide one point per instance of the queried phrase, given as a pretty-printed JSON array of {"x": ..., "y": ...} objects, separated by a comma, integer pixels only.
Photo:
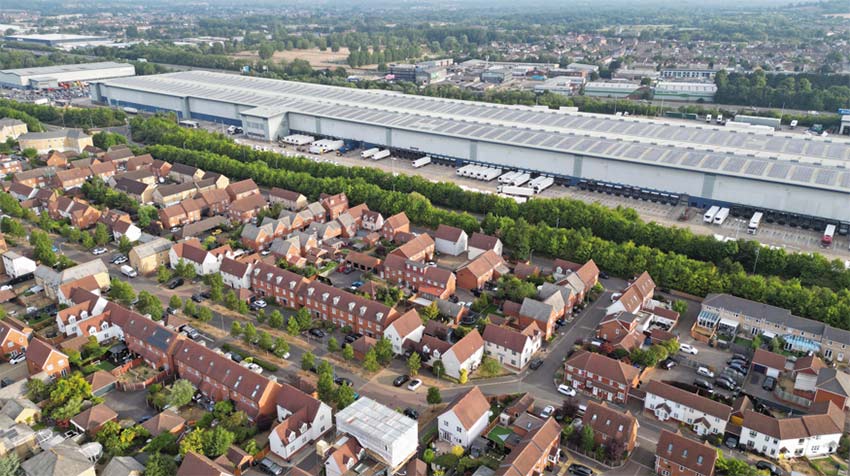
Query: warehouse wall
[
  {"x": 214, "y": 110},
  {"x": 790, "y": 198},
  {"x": 158, "y": 101}
]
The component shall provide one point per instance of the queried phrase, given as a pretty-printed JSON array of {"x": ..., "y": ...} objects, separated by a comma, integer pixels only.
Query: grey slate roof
[
  {"x": 834, "y": 381},
  {"x": 539, "y": 311},
  {"x": 64, "y": 459}
]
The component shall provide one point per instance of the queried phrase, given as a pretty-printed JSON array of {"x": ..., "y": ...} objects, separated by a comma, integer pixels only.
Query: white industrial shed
[
  {"x": 779, "y": 173},
  {"x": 51, "y": 76}
]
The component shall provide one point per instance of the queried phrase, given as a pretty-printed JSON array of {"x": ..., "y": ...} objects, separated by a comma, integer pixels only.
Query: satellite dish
[{"x": 92, "y": 451}]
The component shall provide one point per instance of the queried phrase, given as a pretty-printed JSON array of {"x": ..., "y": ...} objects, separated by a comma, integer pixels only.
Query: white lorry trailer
[
  {"x": 381, "y": 154},
  {"x": 368, "y": 153},
  {"x": 518, "y": 191},
  {"x": 421, "y": 162}
]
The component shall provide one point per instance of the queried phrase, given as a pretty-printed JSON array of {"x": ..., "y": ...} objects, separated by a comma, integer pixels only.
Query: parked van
[{"x": 129, "y": 271}]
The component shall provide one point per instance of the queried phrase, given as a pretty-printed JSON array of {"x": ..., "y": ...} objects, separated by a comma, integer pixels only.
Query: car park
[
  {"x": 400, "y": 380},
  {"x": 566, "y": 390},
  {"x": 769, "y": 384},
  {"x": 414, "y": 384},
  {"x": 547, "y": 411},
  {"x": 411, "y": 413},
  {"x": 705, "y": 372},
  {"x": 688, "y": 349},
  {"x": 535, "y": 364}
]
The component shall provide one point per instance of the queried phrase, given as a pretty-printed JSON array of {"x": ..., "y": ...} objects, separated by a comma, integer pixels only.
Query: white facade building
[
  {"x": 465, "y": 419},
  {"x": 302, "y": 420},
  {"x": 703, "y": 415},
  {"x": 17, "y": 265},
  {"x": 808, "y": 436},
  {"x": 387, "y": 434},
  {"x": 408, "y": 326},
  {"x": 465, "y": 354}
]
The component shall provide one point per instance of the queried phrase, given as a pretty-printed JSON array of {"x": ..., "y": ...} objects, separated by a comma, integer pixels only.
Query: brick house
[
  {"x": 241, "y": 189},
  {"x": 290, "y": 200},
  {"x": 537, "y": 451},
  {"x": 244, "y": 209},
  {"x": 12, "y": 340},
  {"x": 398, "y": 223},
  {"x": 181, "y": 214},
  {"x": 611, "y": 425},
  {"x": 486, "y": 267},
  {"x": 600, "y": 376},
  {"x": 43, "y": 357},
  {"x": 334, "y": 205},
  {"x": 676, "y": 455}
]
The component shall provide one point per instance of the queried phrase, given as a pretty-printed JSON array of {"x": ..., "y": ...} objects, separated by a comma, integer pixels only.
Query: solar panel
[
  {"x": 692, "y": 159},
  {"x": 600, "y": 147},
  {"x": 568, "y": 143},
  {"x": 756, "y": 167},
  {"x": 794, "y": 147},
  {"x": 845, "y": 179},
  {"x": 802, "y": 174},
  {"x": 775, "y": 145},
  {"x": 674, "y": 156},
  {"x": 635, "y": 151},
  {"x": 523, "y": 137},
  {"x": 654, "y": 154},
  {"x": 835, "y": 151},
  {"x": 712, "y": 162},
  {"x": 682, "y": 134},
  {"x": 734, "y": 164},
  {"x": 494, "y": 133},
  {"x": 815, "y": 148},
  {"x": 735, "y": 140},
  {"x": 779, "y": 170},
  {"x": 538, "y": 139},
  {"x": 468, "y": 129},
  {"x": 826, "y": 177}
]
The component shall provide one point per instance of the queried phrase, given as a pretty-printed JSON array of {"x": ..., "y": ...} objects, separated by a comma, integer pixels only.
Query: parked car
[
  {"x": 400, "y": 380},
  {"x": 197, "y": 297},
  {"x": 741, "y": 357},
  {"x": 733, "y": 361},
  {"x": 668, "y": 363},
  {"x": 769, "y": 384},
  {"x": 616, "y": 296},
  {"x": 566, "y": 390},
  {"x": 270, "y": 467},
  {"x": 547, "y": 411},
  {"x": 99, "y": 251},
  {"x": 774, "y": 470},
  {"x": 731, "y": 442},
  {"x": 318, "y": 333},
  {"x": 343, "y": 381},
  {"x": 414, "y": 384},
  {"x": 17, "y": 358},
  {"x": 724, "y": 383},
  {"x": 704, "y": 384},
  {"x": 259, "y": 304},
  {"x": 579, "y": 470},
  {"x": 535, "y": 364},
  {"x": 705, "y": 372},
  {"x": 738, "y": 368},
  {"x": 688, "y": 349},
  {"x": 176, "y": 283},
  {"x": 120, "y": 259},
  {"x": 5, "y": 382},
  {"x": 411, "y": 413},
  {"x": 603, "y": 275}
]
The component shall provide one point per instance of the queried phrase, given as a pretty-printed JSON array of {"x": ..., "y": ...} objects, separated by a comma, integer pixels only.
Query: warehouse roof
[
  {"x": 809, "y": 161},
  {"x": 65, "y": 68}
]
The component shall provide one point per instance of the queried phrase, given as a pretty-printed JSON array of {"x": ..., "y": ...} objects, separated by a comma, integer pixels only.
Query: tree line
[
  {"x": 620, "y": 225},
  {"x": 626, "y": 258},
  {"x": 71, "y": 117},
  {"x": 819, "y": 92}
]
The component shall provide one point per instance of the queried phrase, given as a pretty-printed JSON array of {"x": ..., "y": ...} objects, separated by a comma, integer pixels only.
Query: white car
[
  {"x": 705, "y": 372},
  {"x": 566, "y": 390},
  {"x": 17, "y": 358},
  {"x": 259, "y": 304},
  {"x": 547, "y": 411},
  {"x": 99, "y": 251},
  {"x": 688, "y": 349},
  {"x": 414, "y": 384},
  {"x": 616, "y": 296}
]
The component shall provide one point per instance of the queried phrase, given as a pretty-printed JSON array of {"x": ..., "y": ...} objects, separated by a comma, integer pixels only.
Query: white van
[{"x": 129, "y": 271}]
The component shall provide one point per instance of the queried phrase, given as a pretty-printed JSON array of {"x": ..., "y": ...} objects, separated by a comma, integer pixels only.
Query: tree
[
  {"x": 163, "y": 274},
  {"x": 281, "y": 347},
  {"x": 189, "y": 307},
  {"x": 384, "y": 351},
  {"x": 231, "y": 301},
  {"x": 292, "y": 327},
  {"x": 756, "y": 342},
  {"x": 160, "y": 464},
  {"x": 344, "y": 396},
  {"x": 348, "y": 352},
  {"x": 463, "y": 377},
  {"x": 333, "y": 345},
  {"x": 325, "y": 386},
  {"x": 434, "y": 397},
  {"x": 216, "y": 287},
  {"x": 149, "y": 304},
  {"x": 438, "y": 369},
  {"x": 587, "y": 441},
  {"x": 204, "y": 314},
  {"x": 121, "y": 291},
  {"x": 275, "y": 319},
  {"x": 680, "y": 306},
  {"x": 193, "y": 441},
  {"x": 735, "y": 467},
  {"x": 266, "y": 51},
  {"x": 181, "y": 393},
  {"x": 216, "y": 441},
  {"x": 175, "y": 302},
  {"x": 308, "y": 361},
  {"x": 251, "y": 447},
  {"x": 490, "y": 367},
  {"x": 236, "y": 329},
  {"x": 305, "y": 321},
  {"x": 370, "y": 361},
  {"x": 88, "y": 241},
  {"x": 10, "y": 465},
  {"x": 429, "y": 312},
  {"x": 428, "y": 456},
  {"x": 414, "y": 363},
  {"x": 249, "y": 333},
  {"x": 147, "y": 214},
  {"x": 101, "y": 234},
  {"x": 265, "y": 341}
]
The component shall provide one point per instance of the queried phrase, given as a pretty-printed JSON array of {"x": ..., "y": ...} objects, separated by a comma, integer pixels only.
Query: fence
[
  {"x": 791, "y": 398},
  {"x": 124, "y": 368},
  {"x": 135, "y": 386}
]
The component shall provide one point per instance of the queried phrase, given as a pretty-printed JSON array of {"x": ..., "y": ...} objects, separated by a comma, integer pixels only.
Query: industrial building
[
  {"x": 790, "y": 177},
  {"x": 60, "y": 40},
  {"x": 611, "y": 89},
  {"x": 677, "y": 91},
  {"x": 51, "y": 76}
]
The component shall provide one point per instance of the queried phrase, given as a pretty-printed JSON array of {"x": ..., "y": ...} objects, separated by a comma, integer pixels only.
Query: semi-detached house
[
  {"x": 465, "y": 418},
  {"x": 407, "y": 327},
  {"x": 600, "y": 376},
  {"x": 812, "y": 435},
  {"x": 704, "y": 415},
  {"x": 676, "y": 455},
  {"x": 513, "y": 348},
  {"x": 465, "y": 354},
  {"x": 301, "y": 420}
]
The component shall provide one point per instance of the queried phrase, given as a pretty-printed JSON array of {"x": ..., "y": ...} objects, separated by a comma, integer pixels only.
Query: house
[
  {"x": 91, "y": 420},
  {"x": 600, "y": 376},
  {"x": 148, "y": 339},
  {"x": 623, "y": 330},
  {"x": 465, "y": 354},
  {"x": 36, "y": 178},
  {"x": 21, "y": 410},
  {"x": 541, "y": 313},
  {"x": 236, "y": 273},
  {"x": 325, "y": 231},
  {"x": 487, "y": 266},
  {"x": 52, "y": 280},
  {"x": 195, "y": 464},
  {"x": 171, "y": 194},
  {"x": 220, "y": 378},
  {"x": 241, "y": 189},
  {"x": 124, "y": 466},
  {"x": 301, "y": 420},
  {"x": 183, "y": 213},
  {"x": 345, "y": 453},
  {"x": 213, "y": 202},
  {"x": 64, "y": 459},
  {"x": 334, "y": 205},
  {"x": 103, "y": 170},
  {"x": 806, "y": 371},
  {"x": 245, "y": 209},
  {"x": 362, "y": 261},
  {"x": 102, "y": 382},
  {"x": 165, "y": 421},
  {"x": 71, "y": 178},
  {"x": 120, "y": 224},
  {"x": 833, "y": 385},
  {"x": 147, "y": 257},
  {"x": 537, "y": 451},
  {"x": 12, "y": 341},
  {"x": 428, "y": 280},
  {"x": 480, "y": 243},
  {"x": 200, "y": 227},
  {"x": 636, "y": 295},
  {"x": 676, "y": 455},
  {"x": 279, "y": 284},
  {"x": 17, "y": 265},
  {"x": 182, "y": 173},
  {"x": 450, "y": 240},
  {"x": 11, "y": 128},
  {"x": 407, "y": 327},
  {"x": 79, "y": 212},
  {"x": 21, "y": 192},
  {"x": 43, "y": 357},
  {"x": 526, "y": 270},
  {"x": 140, "y": 191},
  {"x": 348, "y": 225},
  {"x": 768, "y": 363},
  {"x": 398, "y": 223},
  {"x": 811, "y": 435},
  {"x": 144, "y": 161},
  {"x": 465, "y": 419},
  {"x": 389, "y": 436},
  {"x": 56, "y": 159},
  {"x": 511, "y": 347},
  {"x": 119, "y": 154},
  {"x": 193, "y": 252},
  {"x": 361, "y": 347},
  {"x": 62, "y": 140},
  {"x": 290, "y": 200},
  {"x": 235, "y": 459},
  {"x": 342, "y": 308},
  {"x": 611, "y": 426},
  {"x": 10, "y": 166},
  {"x": 704, "y": 415},
  {"x": 372, "y": 221}
]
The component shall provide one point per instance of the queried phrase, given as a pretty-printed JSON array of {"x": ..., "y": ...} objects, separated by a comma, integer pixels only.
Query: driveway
[
  {"x": 129, "y": 405},
  {"x": 14, "y": 372}
]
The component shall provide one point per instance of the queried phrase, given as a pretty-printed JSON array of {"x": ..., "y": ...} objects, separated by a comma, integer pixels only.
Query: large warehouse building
[
  {"x": 52, "y": 76},
  {"x": 791, "y": 177}
]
